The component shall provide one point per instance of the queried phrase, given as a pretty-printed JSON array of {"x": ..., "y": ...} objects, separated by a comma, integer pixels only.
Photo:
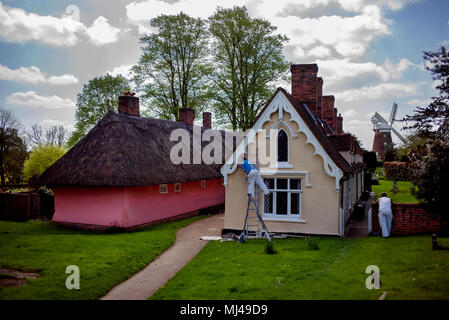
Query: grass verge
[
  {"x": 409, "y": 269},
  {"x": 403, "y": 196},
  {"x": 104, "y": 260}
]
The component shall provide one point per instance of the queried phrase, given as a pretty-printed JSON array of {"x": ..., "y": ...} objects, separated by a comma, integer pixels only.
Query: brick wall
[{"x": 411, "y": 218}]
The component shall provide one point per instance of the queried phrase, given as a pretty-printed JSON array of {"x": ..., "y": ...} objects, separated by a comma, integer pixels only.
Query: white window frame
[
  {"x": 203, "y": 184},
  {"x": 161, "y": 187},
  {"x": 282, "y": 164},
  {"x": 177, "y": 187},
  {"x": 272, "y": 216}
]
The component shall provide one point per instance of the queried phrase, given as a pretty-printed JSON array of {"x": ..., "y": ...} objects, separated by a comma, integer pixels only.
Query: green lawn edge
[
  {"x": 104, "y": 260},
  {"x": 409, "y": 269}
]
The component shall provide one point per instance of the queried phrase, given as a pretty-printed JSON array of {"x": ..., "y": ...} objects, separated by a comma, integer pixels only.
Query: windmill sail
[{"x": 394, "y": 110}]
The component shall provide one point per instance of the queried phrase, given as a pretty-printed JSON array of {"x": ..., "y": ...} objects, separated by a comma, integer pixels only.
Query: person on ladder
[{"x": 253, "y": 177}]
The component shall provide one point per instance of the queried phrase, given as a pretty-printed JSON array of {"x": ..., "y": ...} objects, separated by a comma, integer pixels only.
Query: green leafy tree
[
  {"x": 98, "y": 97},
  {"x": 430, "y": 161},
  {"x": 431, "y": 170},
  {"x": 12, "y": 148},
  {"x": 248, "y": 61},
  {"x": 172, "y": 72},
  {"x": 427, "y": 120},
  {"x": 42, "y": 157}
]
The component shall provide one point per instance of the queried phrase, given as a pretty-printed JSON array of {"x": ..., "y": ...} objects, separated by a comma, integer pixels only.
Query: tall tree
[
  {"x": 98, "y": 97},
  {"x": 431, "y": 160},
  {"x": 428, "y": 120},
  {"x": 12, "y": 149},
  {"x": 54, "y": 135},
  {"x": 248, "y": 60},
  {"x": 173, "y": 68}
]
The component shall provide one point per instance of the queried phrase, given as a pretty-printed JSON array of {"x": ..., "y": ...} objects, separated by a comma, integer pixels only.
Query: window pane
[
  {"x": 268, "y": 203},
  {"x": 294, "y": 203},
  {"x": 295, "y": 184},
  {"x": 282, "y": 146},
  {"x": 281, "y": 183},
  {"x": 269, "y": 183},
  {"x": 281, "y": 202}
]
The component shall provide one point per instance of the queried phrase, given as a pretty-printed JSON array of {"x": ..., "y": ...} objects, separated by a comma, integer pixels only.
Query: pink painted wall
[{"x": 131, "y": 206}]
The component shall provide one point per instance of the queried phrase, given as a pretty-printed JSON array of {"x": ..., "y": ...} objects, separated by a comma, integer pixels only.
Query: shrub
[
  {"x": 269, "y": 249},
  {"x": 397, "y": 171},
  {"x": 313, "y": 243},
  {"x": 395, "y": 188}
]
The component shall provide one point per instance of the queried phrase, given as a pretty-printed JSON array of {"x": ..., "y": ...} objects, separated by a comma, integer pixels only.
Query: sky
[{"x": 369, "y": 52}]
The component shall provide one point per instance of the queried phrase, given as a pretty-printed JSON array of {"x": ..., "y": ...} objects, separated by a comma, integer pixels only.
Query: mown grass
[
  {"x": 104, "y": 260},
  {"x": 409, "y": 269},
  {"x": 403, "y": 196}
]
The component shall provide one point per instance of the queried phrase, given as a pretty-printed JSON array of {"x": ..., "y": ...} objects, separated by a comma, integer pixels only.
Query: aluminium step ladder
[{"x": 254, "y": 220}]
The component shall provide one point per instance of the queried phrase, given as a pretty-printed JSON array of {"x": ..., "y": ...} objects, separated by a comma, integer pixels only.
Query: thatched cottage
[
  {"x": 120, "y": 174},
  {"x": 315, "y": 169}
]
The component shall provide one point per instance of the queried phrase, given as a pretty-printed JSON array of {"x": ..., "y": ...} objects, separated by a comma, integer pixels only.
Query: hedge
[{"x": 395, "y": 170}]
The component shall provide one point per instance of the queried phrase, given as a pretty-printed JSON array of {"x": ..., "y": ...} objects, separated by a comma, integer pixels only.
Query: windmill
[{"x": 382, "y": 129}]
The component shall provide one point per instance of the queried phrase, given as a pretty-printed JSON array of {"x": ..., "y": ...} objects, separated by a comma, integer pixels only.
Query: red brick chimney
[
  {"x": 334, "y": 120},
  {"x": 328, "y": 110},
  {"x": 319, "y": 97},
  {"x": 129, "y": 104},
  {"x": 207, "y": 120},
  {"x": 187, "y": 116},
  {"x": 304, "y": 84},
  {"x": 339, "y": 124}
]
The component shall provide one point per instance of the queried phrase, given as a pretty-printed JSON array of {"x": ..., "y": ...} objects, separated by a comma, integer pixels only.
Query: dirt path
[{"x": 143, "y": 284}]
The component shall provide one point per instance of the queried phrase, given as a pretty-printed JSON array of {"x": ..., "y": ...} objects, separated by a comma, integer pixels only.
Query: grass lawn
[
  {"x": 403, "y": 196},
  {"x": 104, "y": 260},
  {"x": 409, "y": 269}
]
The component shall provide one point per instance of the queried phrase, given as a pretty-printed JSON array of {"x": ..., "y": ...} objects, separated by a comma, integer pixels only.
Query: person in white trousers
[
  {"x": 385, "y": 214},
  {"x": 254, "y": 177}
]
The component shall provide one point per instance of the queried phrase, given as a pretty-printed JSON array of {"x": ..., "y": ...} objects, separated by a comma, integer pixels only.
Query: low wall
[{"x": 411, "y": 218}]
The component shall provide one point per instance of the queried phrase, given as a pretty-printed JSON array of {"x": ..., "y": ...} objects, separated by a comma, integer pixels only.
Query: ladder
[{"x": 253, "y": 220}]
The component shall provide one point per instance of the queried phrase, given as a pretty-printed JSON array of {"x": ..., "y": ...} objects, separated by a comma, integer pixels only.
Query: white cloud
[
  {"x": 319, "y": 52},
  {"x": 348, "y": 36},
  {"x": 17, "y": 25},
  {"x": 34, "y": 75},
  {"x": 124, "y": 70},
  {"x": 341, "y": 74},
  {"x": 397, "y": 70},
  {"x": 419, "y": 102},
  {"x": 380, "y": 91},
  {"x": 30, "y": 99},
  {"x": 52, "y": 122},
  {"x": 349, "y": 114},
  {"x": 101, "y": 32}
]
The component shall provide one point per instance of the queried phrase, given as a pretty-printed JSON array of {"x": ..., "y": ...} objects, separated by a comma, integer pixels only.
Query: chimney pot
[
  {"x": 340, "y": 124},
  {"x": 187, "y": 116},
  {"x": 207, "y": 120},
  {"x": 129, "y": 104}
]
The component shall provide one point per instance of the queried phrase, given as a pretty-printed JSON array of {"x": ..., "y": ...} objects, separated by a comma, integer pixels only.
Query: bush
[
  {"x": 40, "y": 159},
  {"x": 397, "y": 171},
  {"x": 269, "y": 249},
  {"x": 395, "y": 188},
  {"x": 313, "y": 243}
]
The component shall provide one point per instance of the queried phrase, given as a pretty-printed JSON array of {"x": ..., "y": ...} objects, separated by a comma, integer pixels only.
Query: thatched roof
[{"x": 124, "y": 150}]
